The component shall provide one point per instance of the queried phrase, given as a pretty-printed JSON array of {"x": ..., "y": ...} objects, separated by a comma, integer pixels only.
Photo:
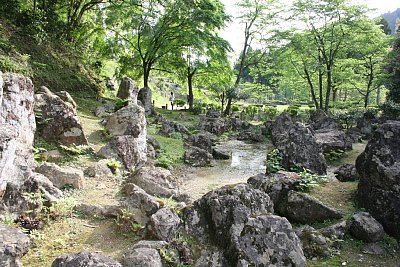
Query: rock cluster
[{"x": 379, "y": 170}]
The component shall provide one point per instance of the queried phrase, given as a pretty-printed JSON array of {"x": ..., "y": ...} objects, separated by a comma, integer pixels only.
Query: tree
[
  {"x": 254, "y": 16},
  {"x": 148, "y": 33},
  {"x": 393, "y": 71}
]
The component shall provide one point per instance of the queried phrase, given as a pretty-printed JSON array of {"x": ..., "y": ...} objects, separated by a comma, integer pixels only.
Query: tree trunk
[
  {"x": 320, "y": 76},
  {"x": 328, "y": 86},
  {"x": 146, "y": 74},
  {"x": 190, "y": 75},
  {"x": 378, "y": 96},
  {"x": 314, "y": 98}
]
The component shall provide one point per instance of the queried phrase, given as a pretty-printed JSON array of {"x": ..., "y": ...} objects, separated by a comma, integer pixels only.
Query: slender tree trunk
[
  {"x": 190, "y": 75},
  {"x": 146, "y": 74},
  {"x": 378, "y": 96},
  {"x": 328, "y": 86},
  {"x": 320, "y": 84},
  {"x": 314, "y": 98}
]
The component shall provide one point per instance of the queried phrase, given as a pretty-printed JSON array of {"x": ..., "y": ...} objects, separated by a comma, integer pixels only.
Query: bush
[
  {"x": 179, "y": 102},
  {"x": 391, "y": 110},
  {"x": 309, "y": 180},
  {"x": 120, "y": 103},
  {"x": 274, "y": 161}
]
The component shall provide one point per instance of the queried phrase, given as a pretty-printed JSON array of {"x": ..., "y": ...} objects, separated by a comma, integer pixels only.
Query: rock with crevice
[
  {"x": 59, "y": 121},
  {"x": 302, "y": 208},
  {"x": 202, "y": 140},
  {"x": 145, "y": 98},
  {"x": 155, "y": 181},
  {"x": 142, "y": 257},
  {"x": 314, "y": 244},
  {"x": 320, "y": 120},
  {"x": 84, "y": 259},
  {"x": 128, "y": 90},
  {"x": 335, "y": 231},
  {"x": 164, "y": 224},
  {"x": 379, "y": 169},
  {"x": 347, "y": 173},
  {"x": 364, "y": 227},
  {"x": 213, "y": 123},
  {"x": 13, "y": 245},
  {"x": 197, "y": 157},
  {"x": 333, "y": 140},
  {"x": 62, "y": 176},
  {"x": 99, "y": 170}
]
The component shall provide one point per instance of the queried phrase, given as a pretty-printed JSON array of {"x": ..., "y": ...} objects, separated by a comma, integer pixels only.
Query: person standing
[{"x": 171, "y": 99}]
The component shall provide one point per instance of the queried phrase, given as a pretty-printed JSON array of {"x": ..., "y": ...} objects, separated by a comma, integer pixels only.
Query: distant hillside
[{"x": 391, "y": 19}]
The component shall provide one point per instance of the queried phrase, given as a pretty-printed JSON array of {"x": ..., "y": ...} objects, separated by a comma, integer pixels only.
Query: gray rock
[
  {"x": 213, "y": 123},
  {"x": 319, "y": 120},
  {"x": 220, "y": 153},
  {"x": 197, "y": 157},
  {"x": 128, "y": 90},
  {"x": 59, "y": 121},
  {"x": 150, "y": 244},
  {"x": 17, "y": 128},
  {"x": 84, "y": 259},
  {"x": 129, "y": 150},
  {"x": 99, "y": 170},
  {"x": 167, "y": 128},
  {"x": 105, "y": 110},
  {"x": 203, "y": 140},
  {"x": 302, "y": 208},
  {"x": 266, "y": 240},
  {"x": 213, "y": 215},
  {"x": 129, "y": 120},
  {"x": 379, "y": 169},
  {"x": 67, "y": 98},
  {"x": 142, "y": 204},
  {"x": 314, "y": 244},
  {"x": 142, "y": 257},
  {"x": 53, "y": 156},
  {"x": 337, "y": 230},
  {"x": 297, "y": 144},
  {"x": 13, "y": 245},
  {"x": 163, "y": 224},
  {"x": 155, "y": 181},
  {"x": 364, "y": 227},
  {"x": 277, "y": 186},
  {"x": 331, "y": 140},
  {"x": 109, "y": 211},
  {"x": 212, "y": 258},
  {"x": 146, "y": 99},
  {"x": 347, "y": 173},
  {"x": 250, "y": 135},
  {"x": 373, "y": 249},
  {"x": 62, "y": 176}
]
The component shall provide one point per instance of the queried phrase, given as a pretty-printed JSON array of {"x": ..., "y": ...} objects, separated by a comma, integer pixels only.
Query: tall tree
[{"x": 148, "y": 33}]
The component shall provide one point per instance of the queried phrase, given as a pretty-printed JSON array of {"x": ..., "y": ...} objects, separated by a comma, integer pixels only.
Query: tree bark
[{"x": 190, "y": 75}]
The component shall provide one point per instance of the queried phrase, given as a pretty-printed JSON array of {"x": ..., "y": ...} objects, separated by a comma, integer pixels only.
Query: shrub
[
  {"x": 309, "y": 180},
  {"x": 274, "y": 161},
  {"x": 114, "y": 165}
]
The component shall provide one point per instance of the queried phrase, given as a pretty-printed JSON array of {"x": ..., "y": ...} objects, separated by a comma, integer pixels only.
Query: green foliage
[
  {"x": 179, "y": 102},
  {"x": 334, "y": 155},
  {"x": 293, "y": 111},
  {"x": 75, "y": 150},
  {"x": 126, "y": 223},
  {"x": 270, "y": 112},
  {"x": 309, "y": 180},
  {"x": 274, "y": 161},
  {"x": 114, "y": 165},
  {"x": 391, "y": 110},
  {"x": 120, "y": 103}
]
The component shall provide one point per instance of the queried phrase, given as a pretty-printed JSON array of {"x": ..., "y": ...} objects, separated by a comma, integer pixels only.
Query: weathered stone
[
  {"x": 347, "y": 173},
  {"x": 67, "y": 98},
  {"x": 99, "y": 170},
  {"x": 13, "y": 244},
  {"x": 167, "y": 128},
  {"x": 337, "y": 230},
  {"x": 142, "y": 204},
  {"x": 84, "y": 259},
  {"x": 155, "y": 181},
  {"x": 128, "y": 90},
  {"x": 372, "y": 249},
  {"x": 59, "y": 121},
  {"x": 302, "y": 208},
  {"x": 213, "y": 216},
  {"x": 212, "y": 258},
  {"x": 277, "y": 186},
  {"x": 364, "y": 227},
  {"x": 331, "y": 140},
  {"x": 164, "y": 224},
  {"x": 237, "y": 124},
  {"x": 53, "y": 156},
  {"x": 130, "y": 151},
  {"x": 109, "y": 211},
  {"x": 197, "y": 157},
  {"x": 105, "y": 110},
  {"x": 146, "y": 99},
  {"x": 17, "y": 128},
  {"x": 220, "y": 153},
  {"x": 314, "y": 244},
  {"x": 142, "y": 257},
  {"x": 129, "y": 120},
  {"x": 379, "y": 170},
  {"x": 250, "y": 135},
  {"x": 151, "y": 140},
  {"x": 319, "y": 120},
  {"x": 150, "y": 244},
  {"x": 203, "y": 140},
  {"x": 213, "y": 123},
  {"x": 297, "y": 144},
  {"x": 62, "y": 176},
  {"x": 266, "y": 240}
]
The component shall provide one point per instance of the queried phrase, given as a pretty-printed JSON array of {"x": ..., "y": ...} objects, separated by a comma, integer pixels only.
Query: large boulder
[
  {"x": 335, "y": 231},
  {"x": 128, "y": 126},
  {"x": 197, "y": 157},
  {"x": 379, "y": 170},
  {"x": 304, "y": 209},
  {"x": 62, "y": 176},
  {"x": 331, "y": 140},
  {"x": 58, "y": 120},
  {"x": 213, "y": 123},
  {"x": 13, "y": 245},
  {"x": 163, "y": 224},
  {"x": 364, "y": 227},
  {"x": 319, "y": 120},
  {"x": 129, "y": 120},
  {"x": 297, "y": 144},
  {"x": 17, "y": 128},
  {"x": 346, "y": 173},
  {"x": 314, "y": 244},
  {"x": 128, "y": 90},
  {"x": 142, "y": 257},
  {"x": 203, "y": 140},
  {"x": 155, "y": 181},
  {"x": 145, "y": 99},
  {"x": 84, "y": 259}
]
